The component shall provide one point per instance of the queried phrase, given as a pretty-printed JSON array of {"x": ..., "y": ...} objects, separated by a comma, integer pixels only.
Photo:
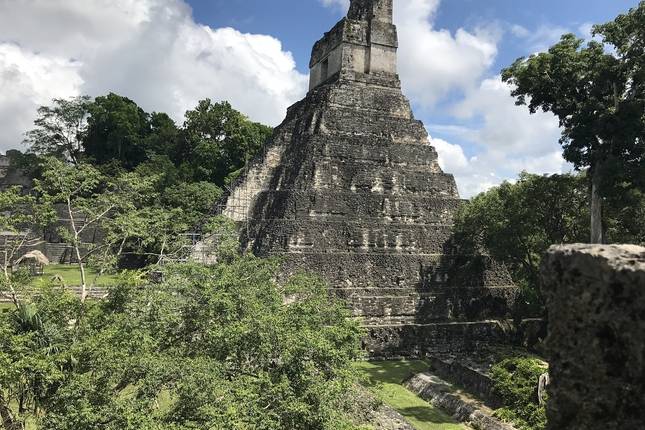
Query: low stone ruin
[{"x": 596, "y": 342}]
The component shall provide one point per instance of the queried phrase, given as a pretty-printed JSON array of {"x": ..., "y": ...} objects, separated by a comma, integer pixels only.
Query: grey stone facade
[
  {"x": 5, "y": 163},
  {"x": 596, "y": 342},
  {"x": 11, "y": 176},
  {"x": 349, "y": 187}
]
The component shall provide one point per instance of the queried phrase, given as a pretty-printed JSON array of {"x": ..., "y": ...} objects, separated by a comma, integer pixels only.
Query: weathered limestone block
[
  {"x": 365, "y": 42},
  {"x": 596, "y": 342},
  {"x": 386, "y": 271}
]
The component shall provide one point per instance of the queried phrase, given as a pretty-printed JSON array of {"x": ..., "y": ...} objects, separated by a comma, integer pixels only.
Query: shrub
[{"x": 515, "y": 382}]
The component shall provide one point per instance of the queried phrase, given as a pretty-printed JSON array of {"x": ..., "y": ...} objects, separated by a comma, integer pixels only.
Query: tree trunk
[
  {"x": 596, "y": 208},
  {"x": 77, "y": 249},
  {"x": 81, "y": 266}
]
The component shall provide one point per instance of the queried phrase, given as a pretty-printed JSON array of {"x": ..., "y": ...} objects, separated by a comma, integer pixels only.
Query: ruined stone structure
[
  {"x": 10, "y": 176},
  {"x": 350, "y": 188},
  {"x": 48, "y": 241},
  {"x": 5, "y": 163},
  {"x": 596, "y": 343}
]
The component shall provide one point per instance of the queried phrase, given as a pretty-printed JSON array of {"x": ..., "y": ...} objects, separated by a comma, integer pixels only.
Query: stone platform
[{"x": 349, "y": 187}]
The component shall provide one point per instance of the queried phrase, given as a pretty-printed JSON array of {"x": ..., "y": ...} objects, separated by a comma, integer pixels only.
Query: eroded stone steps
[
  {"x": 418, "y": 339},
  {"x": 385, "y": 181},
  {"x": 444, "y": 307},
  {"x": 360, "y": 179},
  {"x": 366, "y": 153},
  {"x": 398, "y": 270},
  {"x": 326, "y": 236},
  {"x": 373, "y": 149},
  {"x": 359, "y": 237},
  {"x": 338, "y": 206},
  {"x": 386, "y": 100},
  {"x": 344, "y": 121},
  {"x": 351, "y": 292},
  {"x": 458, "y": 304},
  {"x": 367, "y": 177},
  {"x": 364, "y": 98},
  {"x": 342, "y": 163}
]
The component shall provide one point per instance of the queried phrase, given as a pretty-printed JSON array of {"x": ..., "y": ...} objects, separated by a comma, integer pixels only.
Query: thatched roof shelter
[{"x": 33, "y": 257}]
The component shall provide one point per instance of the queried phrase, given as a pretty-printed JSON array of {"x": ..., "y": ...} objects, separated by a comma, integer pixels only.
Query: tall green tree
[
  {"x": 22, "y": 218},
  {"x": 163, "y": 139},
  {"x": 60, "y": 129},
  {"x": 117, "y": 130},
  {"x": 110, "y": 221},
  {"x": 85, "y": 195},
  {"x": 596, "y": 90},
  {"x": 196, "y": 200},
  {"x": 219, "y": 140},
  {"x": 517, "y": 222}
]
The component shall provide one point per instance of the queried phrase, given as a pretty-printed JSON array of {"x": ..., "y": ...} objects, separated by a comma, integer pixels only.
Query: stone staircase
[{"x": 59, "y": 253}]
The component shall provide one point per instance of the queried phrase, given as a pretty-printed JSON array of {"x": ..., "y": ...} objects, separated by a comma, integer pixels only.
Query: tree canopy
[
  {"x": 117, "y": 131},
  {"x": 224, "y": 347},
  {"x": 596, "y": 90},
  {"x": 517, "y": 222},
  {"x": 112, "y": 141},
  {"x": 113, "y": 132},
  {"x": 61, "y": 128},
  {"x": 219, "y": 141}
]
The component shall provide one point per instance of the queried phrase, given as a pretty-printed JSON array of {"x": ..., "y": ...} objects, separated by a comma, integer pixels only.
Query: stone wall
[{"x": 596, "y": 342}]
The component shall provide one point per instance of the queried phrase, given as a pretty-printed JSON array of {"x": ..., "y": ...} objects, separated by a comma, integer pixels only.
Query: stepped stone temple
[{"x": 350, "y": 188}]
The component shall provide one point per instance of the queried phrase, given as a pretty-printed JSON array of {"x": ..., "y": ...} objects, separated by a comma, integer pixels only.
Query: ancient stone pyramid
[{"x": 350, "y": 188}]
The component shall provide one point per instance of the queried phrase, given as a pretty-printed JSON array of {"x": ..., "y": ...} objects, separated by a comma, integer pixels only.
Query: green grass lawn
[
  {"x": 385, "y": 379},
  {"x": 71, "y": 275}
]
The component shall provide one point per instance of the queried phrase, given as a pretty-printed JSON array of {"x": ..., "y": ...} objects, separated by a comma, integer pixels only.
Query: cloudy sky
[{"x": 168, "y": 54}]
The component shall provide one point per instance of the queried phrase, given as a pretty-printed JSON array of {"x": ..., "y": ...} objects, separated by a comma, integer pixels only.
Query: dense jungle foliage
[{"x": 222, "y": 347}]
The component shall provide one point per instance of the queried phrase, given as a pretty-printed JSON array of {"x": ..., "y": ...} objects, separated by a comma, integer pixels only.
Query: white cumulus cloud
[
  {"x": 433, "y": 62},
  {"x": 341, "y": 5},
  {"x": 28, "y": 80},
  {"x": 508, "y": 140},
  {"x": 506, "y": 126},
  {"x": 472, "y": 175},
  {"x": 149, "y": 50}
]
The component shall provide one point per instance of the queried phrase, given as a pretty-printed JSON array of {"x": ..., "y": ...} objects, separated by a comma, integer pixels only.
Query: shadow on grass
[
  {"x": 426, "y": 414},
  {"x": 386, "y": 379},
  {"x": 391, "y": 372}
]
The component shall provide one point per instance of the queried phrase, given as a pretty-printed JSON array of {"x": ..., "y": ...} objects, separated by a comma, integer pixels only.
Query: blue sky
[
  {"x": 522, "y": 27},
  {"x": 168, "y": 54},
  {"x": 299, "y": 23}
]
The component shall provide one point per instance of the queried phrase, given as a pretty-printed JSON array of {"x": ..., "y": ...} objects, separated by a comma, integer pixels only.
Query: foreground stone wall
[{"x": 596, "y": 343}]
